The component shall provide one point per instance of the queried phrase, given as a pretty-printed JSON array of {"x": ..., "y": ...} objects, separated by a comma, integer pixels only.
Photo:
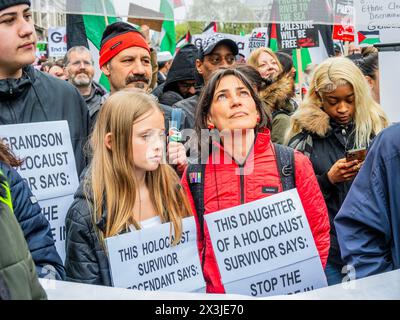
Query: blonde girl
[{"x": 127, "y": 186}]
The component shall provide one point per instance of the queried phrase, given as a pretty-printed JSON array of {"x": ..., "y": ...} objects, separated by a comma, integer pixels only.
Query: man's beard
[
  {"x": 82, "y": 81},
  {"x": 139, "y": 81}
]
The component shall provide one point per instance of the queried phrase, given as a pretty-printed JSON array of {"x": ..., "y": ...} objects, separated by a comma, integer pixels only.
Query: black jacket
[
  {"x": 183, "y": 68},
  {"x": 86, "y": 260},
  {"x": 324, "y": 149},
  {"x": 37, "y": 97},
  {"x": 36, "y": 228}
]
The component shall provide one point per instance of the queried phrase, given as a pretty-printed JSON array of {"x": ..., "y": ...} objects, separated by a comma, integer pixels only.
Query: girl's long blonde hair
[
  {"x": 369, "y": 118},
  {"x": 112, "y": 181}
]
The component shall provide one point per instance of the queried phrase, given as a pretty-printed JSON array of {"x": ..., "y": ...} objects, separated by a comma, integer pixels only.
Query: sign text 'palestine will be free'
[{"x": 296, "y": 29}]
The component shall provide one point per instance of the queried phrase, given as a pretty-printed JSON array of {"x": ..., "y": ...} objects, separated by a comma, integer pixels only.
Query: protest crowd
[{"x": 199, "y": 169}]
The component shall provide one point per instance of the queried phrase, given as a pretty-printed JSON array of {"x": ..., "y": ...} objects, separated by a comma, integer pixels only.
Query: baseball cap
[
  {"x": 209, "y": 43},
  {"x": 164, "y": 56}
]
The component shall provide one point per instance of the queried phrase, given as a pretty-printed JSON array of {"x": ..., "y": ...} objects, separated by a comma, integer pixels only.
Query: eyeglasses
[
  {"x": 186, "y": 85},
  {"x": 79, "y": 62},
  {"x": 216, "y": 59}
]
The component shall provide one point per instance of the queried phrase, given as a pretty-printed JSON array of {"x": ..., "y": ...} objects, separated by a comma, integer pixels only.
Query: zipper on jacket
[
  {"x": 12, "y": 112},
  {"x": 241, "y": 169}
]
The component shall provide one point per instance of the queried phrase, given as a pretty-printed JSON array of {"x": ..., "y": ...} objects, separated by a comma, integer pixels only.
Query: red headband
[{"x": 121, "y": 42}]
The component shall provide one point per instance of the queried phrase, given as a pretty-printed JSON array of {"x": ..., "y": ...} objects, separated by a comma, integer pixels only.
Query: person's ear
[
  {"x": 108, "y": 141},
  {"x": 370, "y": 82},
  {"x": 210, "y": 123},
  {"x": 106, "y": 69},
  {"x": 199, "y": 66}
]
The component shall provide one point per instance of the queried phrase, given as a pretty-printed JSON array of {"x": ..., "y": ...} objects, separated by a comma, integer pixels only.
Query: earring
[
  {"x": 211, "y": 126},
  {"x": 258, "y": 120}
]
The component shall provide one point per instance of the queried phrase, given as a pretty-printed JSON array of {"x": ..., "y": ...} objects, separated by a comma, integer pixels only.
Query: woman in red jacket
[{"x": 243, "y": 168}]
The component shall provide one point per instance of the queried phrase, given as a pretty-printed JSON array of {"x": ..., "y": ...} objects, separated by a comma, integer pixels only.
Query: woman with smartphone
[{"x": 337, "y": 115}]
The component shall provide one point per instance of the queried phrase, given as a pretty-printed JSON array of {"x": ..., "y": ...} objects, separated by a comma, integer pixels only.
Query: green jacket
[{"x": 18, "y": 279}]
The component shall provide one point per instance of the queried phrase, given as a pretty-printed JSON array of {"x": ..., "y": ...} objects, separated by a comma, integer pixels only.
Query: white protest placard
[
  {"x": 57, "y": 43},
  {"x": 377, "y": 21},
  {"x": 264, "y": 236},
  {"x": 257, "y": 39},
  {"x": 49, "y": 168},
  {"x": 145, "y": 259},
  {"x": 389, "y": 69},
  {"x": 292, "y": 279}
]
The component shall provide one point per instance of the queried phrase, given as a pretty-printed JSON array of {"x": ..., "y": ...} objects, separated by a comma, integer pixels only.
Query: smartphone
[{"x": 356, "y": 154}]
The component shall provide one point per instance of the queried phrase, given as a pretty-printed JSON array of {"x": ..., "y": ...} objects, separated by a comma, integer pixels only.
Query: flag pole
[
  {"x": 299, "y": 71},
  {"x": 105, "y": 12},
  {"x": 346, "y": 48}
]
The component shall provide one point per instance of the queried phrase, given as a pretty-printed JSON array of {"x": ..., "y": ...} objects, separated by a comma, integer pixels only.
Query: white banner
[
  {"x": 145, "y": 259},
  {"x": 49, "y": 168},
  {"x": 378, "y": 20},
  {"x": 57, "y": 43},
  {"x": 263, "y": 236}
]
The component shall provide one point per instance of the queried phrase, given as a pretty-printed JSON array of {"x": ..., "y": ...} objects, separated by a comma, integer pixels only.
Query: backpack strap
[
  {"x": 280, "y": 111},
  {"x": 195, "y": 178},
  {"x": 286, "y": 167}
]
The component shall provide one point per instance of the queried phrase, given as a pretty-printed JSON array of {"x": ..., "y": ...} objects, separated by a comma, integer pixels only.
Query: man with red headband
[{"x": 125, "y": 57}]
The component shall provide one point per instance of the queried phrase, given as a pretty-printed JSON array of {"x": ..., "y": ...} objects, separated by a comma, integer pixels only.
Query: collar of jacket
[
  {"x": 261, "y": 144},
  {"x": 310, "y": 118},
  {"x": 277, "y": 95},
  {"x": 13, "y": 88},
  {"x": 97, "y": 89}
]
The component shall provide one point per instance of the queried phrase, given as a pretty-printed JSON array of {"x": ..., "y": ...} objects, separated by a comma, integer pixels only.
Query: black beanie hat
[
  {"x": 116, "y": 29},
  {"x": 4, "y": 4}
]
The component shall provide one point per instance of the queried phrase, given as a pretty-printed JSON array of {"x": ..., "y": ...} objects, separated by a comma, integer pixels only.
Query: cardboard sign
[
  {"x": 296, "y": 28},
  {"x": 297, "y": 35},
  {"x": 145, "y": 259},
  {"x": 344, "y": 21},
  {"x": 49, "y": 168},
  {"x": 262, "y": 239},
  {"x": 257, "y": 39},
  {"x": 57, "y": 43},
  {"x": 377, "y": 21}
]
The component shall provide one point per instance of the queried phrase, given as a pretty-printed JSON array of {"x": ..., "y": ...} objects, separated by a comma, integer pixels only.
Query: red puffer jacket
[{"x": 224, "y": 187}]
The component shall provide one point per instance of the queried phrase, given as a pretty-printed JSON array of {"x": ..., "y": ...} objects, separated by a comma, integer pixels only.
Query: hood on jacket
[
  {"x": 277, "y": 95},
  {"x": 183, "y": 67},
  {"x": 310, "y": 118}
]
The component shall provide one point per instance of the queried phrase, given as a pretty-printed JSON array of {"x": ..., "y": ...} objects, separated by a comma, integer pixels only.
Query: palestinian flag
[
  {"x": 211, "y": 28},
  {"x": 187, "y": 38},
  {"x": 87, "y": 30},
  {"x": 168, "y": 38},
  {"x": 368, "y": 37}
]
